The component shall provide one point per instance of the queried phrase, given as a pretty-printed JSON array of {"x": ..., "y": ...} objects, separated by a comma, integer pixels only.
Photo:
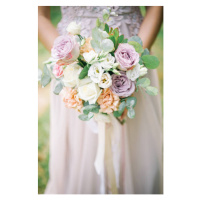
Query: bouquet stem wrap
[{"x": 108, "y": 153}]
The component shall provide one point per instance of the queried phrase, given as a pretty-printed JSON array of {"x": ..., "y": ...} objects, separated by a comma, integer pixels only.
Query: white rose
[
  {"x": 106, "y": 80},
  {"x": 134, "y": 73},
  {"x": 90, "y": 56},
  {"x": 108, "y": 62},
  {"x": 83, "y": 81},
  {"x": 71, "y": 73},
  {"x": 74, "y": 28},
  {"x": 89, "y": 92},
  {"x": 95, "y": 72},
  {"x": 143, "y": 71}
]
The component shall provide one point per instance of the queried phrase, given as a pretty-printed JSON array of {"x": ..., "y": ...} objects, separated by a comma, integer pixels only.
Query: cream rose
[
  {"x": 71, "y": 73},
  {"x": 74, "y": 28},
  {"x": 89, "y": 92}
]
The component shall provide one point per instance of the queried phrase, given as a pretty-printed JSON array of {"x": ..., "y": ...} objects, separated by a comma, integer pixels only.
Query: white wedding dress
[{"x": 73, "y": 143}]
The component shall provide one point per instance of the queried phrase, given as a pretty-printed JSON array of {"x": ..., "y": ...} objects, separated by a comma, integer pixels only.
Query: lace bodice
[{"x": 129, "y": 18}]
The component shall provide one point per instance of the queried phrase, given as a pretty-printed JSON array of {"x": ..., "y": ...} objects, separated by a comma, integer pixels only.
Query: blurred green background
[{"x": 43, "y": 100}]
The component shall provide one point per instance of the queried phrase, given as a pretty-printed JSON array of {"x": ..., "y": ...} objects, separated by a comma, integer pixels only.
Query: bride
[{"x": 73, "y": 143}]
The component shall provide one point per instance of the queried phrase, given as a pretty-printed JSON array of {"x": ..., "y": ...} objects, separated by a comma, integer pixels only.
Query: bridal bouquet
[{"x": 99, "y": 74}]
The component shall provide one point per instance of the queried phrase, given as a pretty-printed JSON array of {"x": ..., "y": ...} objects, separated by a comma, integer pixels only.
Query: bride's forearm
[
  {"x": 151, "y": 25},
  {"x": 46, "y": 31}
]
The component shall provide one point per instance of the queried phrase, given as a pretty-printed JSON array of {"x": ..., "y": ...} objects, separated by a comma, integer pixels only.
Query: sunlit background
[{"x": 43, "y": 100}]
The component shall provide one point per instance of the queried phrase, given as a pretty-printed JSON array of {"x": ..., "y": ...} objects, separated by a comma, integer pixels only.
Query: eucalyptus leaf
[
  {"x": 107, "y": 45},
  {"x": 143, "y": 82},
  {"x": 98, "y": 22},
  {"x": 150, "y": 61},
  {"x": 137, "y": 46},
  {"x": 145, "y": 52},
  {"x": 151, "y": 90},
  {"x": 96, "y": 46},
  {"x": 58, "y": 88},
  {"x": 131, "y": 102},
  {"x": 140, "y": 61},
  {"x": 136, "y": 39},
  {"x": 84, "y": 117},
  {"x": 131, "y": 113},
  {"x": 120, "y": 110},
  {"x": 46, "y": 79},
  {"x": 91, "y": 108},
  {"x": 39, "y": 74},
  {"x": 106, "y": 15},
  {"x": 85, "y": 103}
]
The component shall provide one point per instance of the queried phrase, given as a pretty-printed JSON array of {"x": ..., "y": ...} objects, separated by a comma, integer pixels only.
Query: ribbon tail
[{"x": 99, "y": 161}]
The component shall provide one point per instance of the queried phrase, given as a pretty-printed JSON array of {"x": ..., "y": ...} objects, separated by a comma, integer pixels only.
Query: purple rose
[
  {"x": 65, "y": 47},
  {"x": 126, "y": 56},
  {"x": 121, "y": 85}
]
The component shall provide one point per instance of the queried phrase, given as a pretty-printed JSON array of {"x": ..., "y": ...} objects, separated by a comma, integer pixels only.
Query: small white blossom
[
  {"x": 90, "y": 56},
  {"x": 106, "y": 80},
  {"x": 143, "y": 70},
  {"x": 95, "y": 72},
  {"x": 134, "y": 73}
]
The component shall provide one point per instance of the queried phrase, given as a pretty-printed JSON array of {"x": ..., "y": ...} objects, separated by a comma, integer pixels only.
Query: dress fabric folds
[{"x": 73, "y": 143}]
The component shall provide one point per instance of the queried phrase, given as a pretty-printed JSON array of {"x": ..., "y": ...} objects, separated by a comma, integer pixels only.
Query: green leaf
[
  {"x": 116, "y": 33},
  {"x": 91, "y": 108},
  {"x": 106, "y": 28},
  {"x": 150, "y": 62},
  {"x": 125, "y": 41},
  {"x": 131, "y": 113},
  {"x": 107, "y": 45},
  {"x": 58, "y": 88},
  {"x": 137, "y": 46},
  {"x": 120, "y": 110},
  {"x": 84, "y": 117},
  {"x": 143, "y": 82},
  {"x": 121, "y": 38},
  {"x": 84, "y": 72},
  {"x": 136, "y": 39},
  {"x": 131, "y": 102},
  {"x": 151, "y": 90},
  {"x": 146, "y": 52}
]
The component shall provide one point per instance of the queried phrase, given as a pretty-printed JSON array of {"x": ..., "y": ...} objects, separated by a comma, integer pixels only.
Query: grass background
[{"x": 43, "y": 100}]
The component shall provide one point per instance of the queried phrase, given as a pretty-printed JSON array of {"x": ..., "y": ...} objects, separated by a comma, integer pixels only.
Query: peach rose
[
  {"x": 86, "y": 47},
  {"x": 71, "y": 99},
  {"x": 108, "y": 101}
]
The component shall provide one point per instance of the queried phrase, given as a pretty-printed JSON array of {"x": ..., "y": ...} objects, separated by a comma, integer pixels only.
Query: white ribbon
[{"x": 109, "y": 139}]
